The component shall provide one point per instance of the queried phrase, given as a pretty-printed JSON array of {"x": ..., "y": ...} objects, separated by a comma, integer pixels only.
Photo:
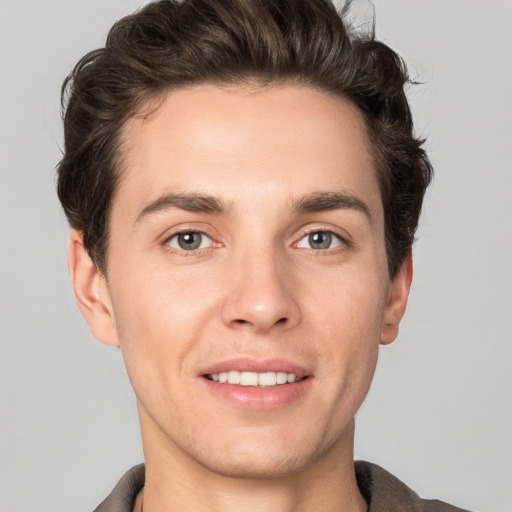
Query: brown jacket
[{"x": 382, "y": 491}]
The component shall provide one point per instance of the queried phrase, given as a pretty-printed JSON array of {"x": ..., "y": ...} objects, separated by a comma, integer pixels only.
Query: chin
[
  {"x": 263, "y": 467},
  {"x": 263, "y": 461}
]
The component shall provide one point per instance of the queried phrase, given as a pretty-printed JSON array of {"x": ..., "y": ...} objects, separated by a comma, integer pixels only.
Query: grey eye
[
  {"x": 320, "y": 240},
  {"x": 189, "y": 241}
]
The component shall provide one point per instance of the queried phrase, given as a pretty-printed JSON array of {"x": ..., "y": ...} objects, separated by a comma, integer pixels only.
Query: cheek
[
  {"x": 351, "y": 303},
  {"x": 349, "y": 318},
  {"x": 347, "y": 322},
  {"x": 159, "y": 316},
  {"x": 163, "y": 300},
  {"x": 350, "y": 352}
]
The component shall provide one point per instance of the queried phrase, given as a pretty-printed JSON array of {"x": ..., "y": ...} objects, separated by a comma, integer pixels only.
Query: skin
[{"x": 256, "y": 288}]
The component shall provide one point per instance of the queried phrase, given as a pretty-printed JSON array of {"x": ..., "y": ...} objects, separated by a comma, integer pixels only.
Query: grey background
[{"x": 439, "y": 413}]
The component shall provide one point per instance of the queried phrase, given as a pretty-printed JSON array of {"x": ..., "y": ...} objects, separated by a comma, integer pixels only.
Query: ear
[
  {"x": 397, "y": 301},
  {"x": 91, "y": 291}
]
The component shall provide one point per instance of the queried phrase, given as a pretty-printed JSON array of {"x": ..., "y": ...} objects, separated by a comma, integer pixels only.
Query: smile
[
  {"x": 248, "y": 383},
  {"x": 263, "y": 379}
]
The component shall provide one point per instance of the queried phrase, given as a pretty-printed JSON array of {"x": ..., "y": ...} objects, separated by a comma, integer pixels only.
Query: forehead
[{"x": 236, "y": 142}]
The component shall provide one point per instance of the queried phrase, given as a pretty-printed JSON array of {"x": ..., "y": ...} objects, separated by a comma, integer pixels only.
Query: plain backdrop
[{"x": 439, "y": 412}]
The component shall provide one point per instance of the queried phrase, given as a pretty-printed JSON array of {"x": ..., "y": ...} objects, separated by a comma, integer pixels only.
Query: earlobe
[
  {"x": 397, "y": 301},
  {"x": 91, "y": 291}
]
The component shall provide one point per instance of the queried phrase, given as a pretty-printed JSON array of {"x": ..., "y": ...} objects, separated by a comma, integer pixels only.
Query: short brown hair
[{"x": 171, "y": 44}]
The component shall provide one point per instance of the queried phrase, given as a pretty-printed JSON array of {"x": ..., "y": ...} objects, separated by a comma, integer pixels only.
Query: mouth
[
  {"x": 255, "y": 379},
  {"x": 250, "y": 383}
]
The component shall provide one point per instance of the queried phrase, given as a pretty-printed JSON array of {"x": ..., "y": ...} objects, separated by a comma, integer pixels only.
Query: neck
[{"x": 176, "y": 482}]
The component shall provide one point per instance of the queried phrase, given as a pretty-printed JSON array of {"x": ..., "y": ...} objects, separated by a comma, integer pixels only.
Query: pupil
[
  {"x": 189, "y": 241},
  {"x": 320, "y": 240}
]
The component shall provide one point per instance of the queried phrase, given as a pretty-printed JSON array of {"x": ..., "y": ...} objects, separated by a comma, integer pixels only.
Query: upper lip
[{"x": 245, "y": 364}]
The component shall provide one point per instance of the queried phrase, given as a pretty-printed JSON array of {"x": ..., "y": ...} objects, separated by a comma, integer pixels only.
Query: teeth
[
  {"x": 234, "y": 377},
  {"x": 248, "y": 379},
  {"x": 281, "y": 378},
  {"x": 265, "y": 379}
]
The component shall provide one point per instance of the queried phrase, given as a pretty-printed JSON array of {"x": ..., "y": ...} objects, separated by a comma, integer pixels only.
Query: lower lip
[{"x": 251, "y": 397}]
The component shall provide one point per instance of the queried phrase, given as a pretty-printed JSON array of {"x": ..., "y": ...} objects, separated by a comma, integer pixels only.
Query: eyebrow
[
  {"x": 327, "y": 201},
  {"x": 204, "y": 203},
  {"x": 198, "y": 203}
]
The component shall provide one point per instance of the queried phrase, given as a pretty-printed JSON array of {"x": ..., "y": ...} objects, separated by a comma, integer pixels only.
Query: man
[{"x": 243, "y": 187}]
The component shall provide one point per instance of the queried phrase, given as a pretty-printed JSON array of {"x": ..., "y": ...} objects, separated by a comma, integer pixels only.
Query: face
[{"x": 247, "y": 276}]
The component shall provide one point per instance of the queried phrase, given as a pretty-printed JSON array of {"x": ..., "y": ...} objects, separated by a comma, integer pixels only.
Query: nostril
[{"x": 241, "y": 321}]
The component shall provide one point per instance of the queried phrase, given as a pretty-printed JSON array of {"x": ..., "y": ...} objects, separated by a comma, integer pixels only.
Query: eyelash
[
  {"x": 343, "y": 243},
  {"x": 184, "y": 252}
]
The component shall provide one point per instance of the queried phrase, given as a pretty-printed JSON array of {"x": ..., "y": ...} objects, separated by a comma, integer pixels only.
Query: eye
[
  {"x": 320, "y": 241},
  {"x": 189, "y": 241}
]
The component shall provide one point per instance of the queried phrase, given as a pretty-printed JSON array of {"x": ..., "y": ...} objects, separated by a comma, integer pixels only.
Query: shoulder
[{"x": 384, "y": 492}]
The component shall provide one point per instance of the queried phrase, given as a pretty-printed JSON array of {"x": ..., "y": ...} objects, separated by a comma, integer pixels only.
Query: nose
[{"x": 261, "y": 295}]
